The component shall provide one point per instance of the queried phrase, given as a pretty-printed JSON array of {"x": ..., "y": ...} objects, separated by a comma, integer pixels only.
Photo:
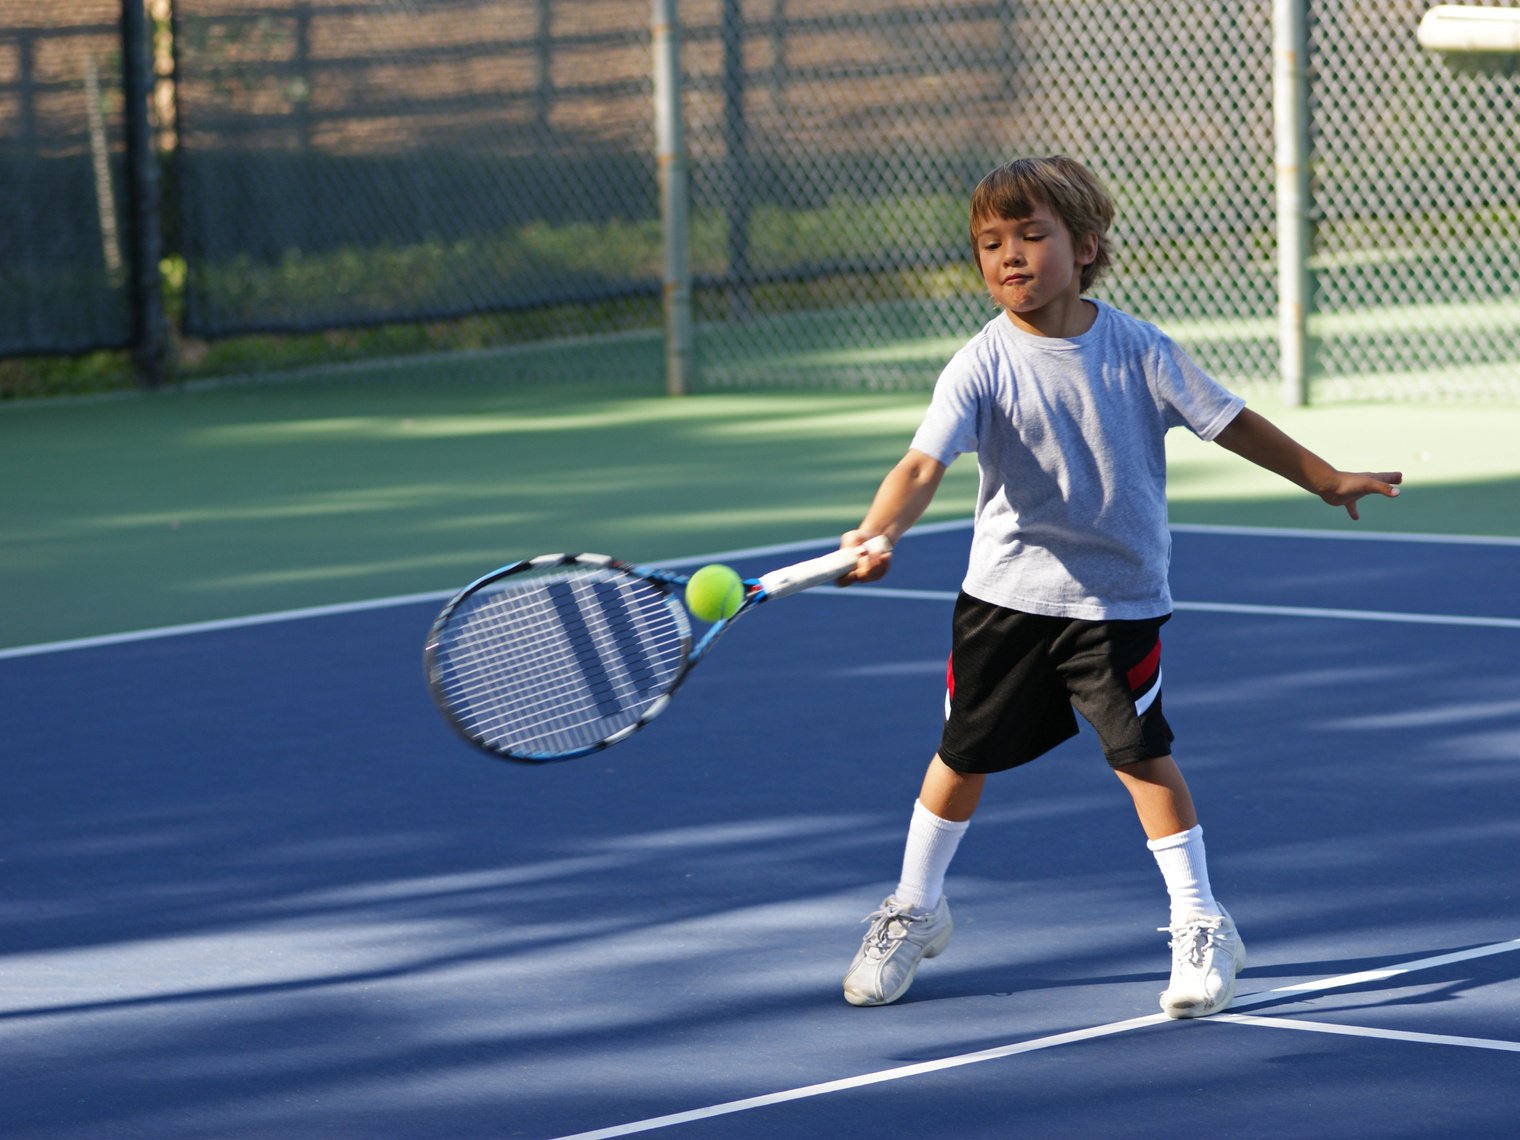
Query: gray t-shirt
[{"x": 1069, "y": 434}]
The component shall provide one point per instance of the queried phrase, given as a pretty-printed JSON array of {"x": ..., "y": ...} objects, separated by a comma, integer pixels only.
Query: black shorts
[{"x": 1014, "y": 679}]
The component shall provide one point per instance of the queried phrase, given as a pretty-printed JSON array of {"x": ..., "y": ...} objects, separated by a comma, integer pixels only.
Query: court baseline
[
  {"x": 786, "y": 548},
  {"x": 1363, "y": 1031},
  {"x": 1012, "y": 1050},
  {"x": 1239, "y": 608}
]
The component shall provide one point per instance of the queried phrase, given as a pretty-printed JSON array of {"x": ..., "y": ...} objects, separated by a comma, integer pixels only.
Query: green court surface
[{"x": 143, "y": 511}]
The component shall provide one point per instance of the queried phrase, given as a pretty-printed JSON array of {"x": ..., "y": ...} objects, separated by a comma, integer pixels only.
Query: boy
[{"x": 1066, "y": 401}]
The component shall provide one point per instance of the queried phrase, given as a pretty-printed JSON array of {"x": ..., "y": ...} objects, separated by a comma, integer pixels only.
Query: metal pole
[
  {"x": 1295, "y": 281},
  {"x": 670, "y": 147},
  {"x": 100, "y": 163},
  {"x": 150, "y": 342},
  {"x": 736, "y": 148}
]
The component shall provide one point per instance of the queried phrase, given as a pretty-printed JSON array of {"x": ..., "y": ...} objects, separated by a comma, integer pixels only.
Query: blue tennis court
[{"x": 255, "y": 887}]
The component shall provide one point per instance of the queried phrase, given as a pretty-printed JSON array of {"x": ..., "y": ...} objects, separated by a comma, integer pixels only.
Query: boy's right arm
[{"x": 901, "y": 499}]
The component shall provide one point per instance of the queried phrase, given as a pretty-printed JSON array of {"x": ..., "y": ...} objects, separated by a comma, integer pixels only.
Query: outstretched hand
[
  {"x": 1348, "y": 487},
  {"x": 1256, "y": 438}
]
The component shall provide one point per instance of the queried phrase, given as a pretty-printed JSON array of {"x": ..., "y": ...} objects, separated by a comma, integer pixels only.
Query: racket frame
[{"x": 778, "y": 583}]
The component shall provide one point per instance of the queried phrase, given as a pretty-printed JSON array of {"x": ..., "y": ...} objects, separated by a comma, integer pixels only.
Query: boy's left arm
[{"x": 1256, "y": 438}]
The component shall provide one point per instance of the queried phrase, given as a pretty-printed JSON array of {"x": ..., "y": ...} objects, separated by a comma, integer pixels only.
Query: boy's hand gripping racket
[{"x": 565, "y": 654}]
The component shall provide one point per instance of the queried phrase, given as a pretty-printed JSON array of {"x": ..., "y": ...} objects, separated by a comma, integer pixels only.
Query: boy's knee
[{"x": 1151, "y": 770}]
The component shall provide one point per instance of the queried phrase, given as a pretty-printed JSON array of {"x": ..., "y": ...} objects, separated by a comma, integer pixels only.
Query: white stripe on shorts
[{"x": 1148, "y": 697}]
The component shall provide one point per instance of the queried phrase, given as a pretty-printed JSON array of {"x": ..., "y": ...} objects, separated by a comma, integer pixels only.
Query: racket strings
[
  {"x": 570, "y": 692},
  {"x": 556, "y": 662},
  {"x": 575, "y": 677}
]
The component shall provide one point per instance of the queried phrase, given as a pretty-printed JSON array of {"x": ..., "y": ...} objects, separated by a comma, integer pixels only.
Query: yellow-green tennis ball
[{"x": 714, "y": 592}]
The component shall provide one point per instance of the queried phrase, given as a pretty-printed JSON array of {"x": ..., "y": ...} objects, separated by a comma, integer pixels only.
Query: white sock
[
  {"x": 931, "y": 845},
  {"x": 1186, "y": 871}
]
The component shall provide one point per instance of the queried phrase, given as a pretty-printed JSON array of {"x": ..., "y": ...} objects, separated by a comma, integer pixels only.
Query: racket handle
[{"x": 817, "y": 571}]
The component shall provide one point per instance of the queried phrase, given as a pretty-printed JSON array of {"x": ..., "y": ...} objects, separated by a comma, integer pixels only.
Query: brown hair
[{"x": 1071, "y": 192}]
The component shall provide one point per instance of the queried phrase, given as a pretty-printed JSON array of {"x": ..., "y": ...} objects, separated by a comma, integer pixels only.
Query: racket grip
[{"x": 817, "y": 571}]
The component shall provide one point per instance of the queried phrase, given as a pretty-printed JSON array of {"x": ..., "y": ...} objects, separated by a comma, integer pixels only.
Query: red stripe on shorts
[
  {"x": 1142, "y": 673},
  {"x": 950, "y": 677}
]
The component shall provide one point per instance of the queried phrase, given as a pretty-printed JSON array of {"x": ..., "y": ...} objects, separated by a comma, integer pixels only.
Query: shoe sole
[
  {"x": 1181, "y": 1012},
  {"x": 933, "y": 950}
]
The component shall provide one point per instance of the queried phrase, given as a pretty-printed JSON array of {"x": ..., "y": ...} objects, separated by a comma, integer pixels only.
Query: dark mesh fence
[
  {"x": 835, "y": 146},
  {"x": 1417, "y": 188},
  {"x": 63, "y": 239},
  {"x": 341, "y": 163},
  {"x": 357, "y": 163}
]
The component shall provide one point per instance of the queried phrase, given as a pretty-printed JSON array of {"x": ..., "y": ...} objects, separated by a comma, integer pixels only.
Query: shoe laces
[
  {"x": 1193, "y": 939},
  {"x": 880, "y": 937}
]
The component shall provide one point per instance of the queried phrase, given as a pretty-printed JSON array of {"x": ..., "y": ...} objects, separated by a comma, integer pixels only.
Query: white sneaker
[
  {"x": 889, "y": 954},
  {"x": 1207, "y": 953}
]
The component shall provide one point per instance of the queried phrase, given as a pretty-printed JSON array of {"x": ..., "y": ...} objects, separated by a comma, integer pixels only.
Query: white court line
[
  {"x": 1365, "y": 1031},
  {"x": 224, "y": 623},
  {"x": 1235, "y": 608},
  {"x": 1344, "y": 980},
  {"x": 859, "y": 592},
  {"x": 868, "y": 1079},
  {"x": 1350, "y": 615},
  {"x": 1340, "y": 982},
  {"x": 885, "y": 592},
  {"x": 1350, "y": 535},
  {"x": 400, "y": 600}
]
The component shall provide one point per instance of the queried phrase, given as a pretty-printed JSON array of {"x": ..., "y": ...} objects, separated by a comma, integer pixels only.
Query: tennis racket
[{"x": 566, "y": 654}]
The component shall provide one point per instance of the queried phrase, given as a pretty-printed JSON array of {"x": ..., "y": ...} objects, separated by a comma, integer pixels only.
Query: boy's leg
[
  {"x": 946, "y": 802},
  {"x": 914, "y": 921},
  {"x": 1162, "y": 799},
  {"x": 950, "y": 794},
  {"x": 1207, "y": 951}
]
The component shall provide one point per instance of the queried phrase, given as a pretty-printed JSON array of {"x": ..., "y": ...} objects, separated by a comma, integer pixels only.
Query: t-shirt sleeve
[
  {"x": 949, "y": 427},
  {"x": 1188, "y": 395}
]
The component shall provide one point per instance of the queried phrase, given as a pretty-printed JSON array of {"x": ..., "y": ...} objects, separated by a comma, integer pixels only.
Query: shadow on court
[{"x": 254, "y": 887}]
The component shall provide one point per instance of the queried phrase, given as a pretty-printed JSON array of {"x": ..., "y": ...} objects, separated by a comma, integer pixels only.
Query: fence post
[
  {"x": 144, "y": 236},
  {"x": 1290, "y": 118},
  {"x": 543, "y": 67},
  {"x": 670, "y": 147},
  {"x": 736, "y": 181}
]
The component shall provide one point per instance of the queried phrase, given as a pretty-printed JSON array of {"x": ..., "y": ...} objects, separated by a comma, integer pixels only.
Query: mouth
[{"x": 1016, "y": 279}]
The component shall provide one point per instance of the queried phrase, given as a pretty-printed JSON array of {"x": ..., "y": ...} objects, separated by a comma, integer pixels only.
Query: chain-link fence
[
  {"x": 865, "y": 128},
  {"x": 339, "y": 163},
  {"x": 1417, "y": 191},
  {"x": 63, "y": 255},
  {"x": 402, "y": 160},
  {"x": 829, "y": 206}
]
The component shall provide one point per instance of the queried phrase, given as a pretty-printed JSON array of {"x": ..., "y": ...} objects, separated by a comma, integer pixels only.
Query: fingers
[
  {"x": 869, "y": 566},
  {"x": 1383, "y": 483},
  {"x": 872, "y": 565}
]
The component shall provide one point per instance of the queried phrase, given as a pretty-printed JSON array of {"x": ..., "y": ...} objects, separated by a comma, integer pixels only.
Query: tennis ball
[{"x": 714, "y": 592}]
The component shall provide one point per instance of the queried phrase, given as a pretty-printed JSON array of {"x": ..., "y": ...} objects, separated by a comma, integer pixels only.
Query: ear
[{"x": 1087, "y": 249}]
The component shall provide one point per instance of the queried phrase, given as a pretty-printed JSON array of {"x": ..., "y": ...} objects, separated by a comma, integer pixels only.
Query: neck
[{"x": 1065, "y": 318}]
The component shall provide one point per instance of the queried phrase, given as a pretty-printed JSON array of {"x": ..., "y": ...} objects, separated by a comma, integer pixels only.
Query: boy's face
[{"x": 1032, "y": 267}]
